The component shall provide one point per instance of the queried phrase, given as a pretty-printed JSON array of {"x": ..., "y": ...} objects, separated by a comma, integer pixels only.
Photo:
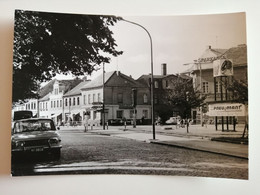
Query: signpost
[
  {"x": 227, "y": 109},
  {"x": 223, "y": 68}
]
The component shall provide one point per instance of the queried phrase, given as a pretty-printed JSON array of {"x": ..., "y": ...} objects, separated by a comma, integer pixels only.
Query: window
[
  {"x": 99, "y": 98},
  {"x": 78, "y": 101},
  {"x": 156, "y": 85},
  {"x": 145, "y": 113},
  {"x": 57, "y": 103},
  {"x": 145, "y": 98},
  {"x": 51, "y": 104},
  {"x": 66, "y": 102},
  {"x": 119, "y": 98},
  {"x": 89, "y": 100},
  {"x": 94, "y": 115},
  {"x": 60, "y": 103},
  {"x": 84, "y": 99},
  {"x": 205, "y": 87},
  {"x": 132, "y": 112},
  {"x": 165, "y": 83},
  {"x": 119, "y": 113},
  {"x": 218, "y": 87},
  {"x": 94, "y": 97},
  {"x": 69, "y": 101},
  {"x": 74, "y": 101},
  {"x": 46, "y": 106},
  {"x": 56, "y": 91},
  {"x": 54, "y": 104}
]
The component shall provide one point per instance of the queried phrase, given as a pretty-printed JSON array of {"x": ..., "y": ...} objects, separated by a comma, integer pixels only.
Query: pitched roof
[
  {"x": 212, "y": 52},
  {"x": 66, "y": 85},
  {"x": 238, "y": 54},
  {"x": 76, "y": 90},
  {"x": 146, "y": 78},
  {"x": 98, "y": 81},
  {"x": 46, "y": 89},
  {"x": 136, "y": 83}
]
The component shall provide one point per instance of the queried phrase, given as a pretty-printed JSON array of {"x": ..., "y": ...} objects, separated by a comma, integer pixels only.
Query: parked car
[
  {"x": 172, "y": 121},
  {"x": 35, "y": 135},
  {"x": 21, "y": 114}
]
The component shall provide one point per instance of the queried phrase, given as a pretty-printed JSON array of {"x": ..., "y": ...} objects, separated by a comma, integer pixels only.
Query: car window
[{"x": 33, "y": 125}]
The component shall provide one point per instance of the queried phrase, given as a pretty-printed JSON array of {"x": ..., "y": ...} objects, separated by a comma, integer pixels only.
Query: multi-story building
[
  {"x": 123, "y": 97},
  {"x": 51, "y": 103},
  {"x": 162, "y": 83},
  {"x": 203, "y": 80},
  {"x": 72, "y": 104}
]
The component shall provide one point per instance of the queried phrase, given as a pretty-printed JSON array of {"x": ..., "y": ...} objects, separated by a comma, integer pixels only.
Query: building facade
[
  {"x": 203, "y": 80},
  {"x": 123, "y": 97},
  {"x": 162, "y": 83}
]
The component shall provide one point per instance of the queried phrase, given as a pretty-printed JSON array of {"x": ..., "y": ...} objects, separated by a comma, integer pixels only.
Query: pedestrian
[{"x": 86, "y": 123}]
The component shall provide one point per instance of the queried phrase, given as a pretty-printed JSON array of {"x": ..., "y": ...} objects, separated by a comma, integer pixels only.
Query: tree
[
  {"x": 46, "y": 44},
  {"x": 239, "y": 89},
  {"x": 184, "y": 97}
]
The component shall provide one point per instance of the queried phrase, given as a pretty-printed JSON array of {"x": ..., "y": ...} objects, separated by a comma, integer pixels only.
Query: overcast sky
[{"x": 176, "y": 40}]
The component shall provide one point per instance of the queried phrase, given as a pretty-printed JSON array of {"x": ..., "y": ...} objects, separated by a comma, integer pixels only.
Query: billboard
[
  {"x": 222, "y": 67},
  {"x": 227, "y": 109}
]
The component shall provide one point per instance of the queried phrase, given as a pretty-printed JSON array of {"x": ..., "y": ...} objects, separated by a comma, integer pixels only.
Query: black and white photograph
[{"x": 136, "y": 95}]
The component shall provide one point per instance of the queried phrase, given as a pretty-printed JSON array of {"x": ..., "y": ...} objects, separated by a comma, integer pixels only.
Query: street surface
[{"x": 101, "y": 153}]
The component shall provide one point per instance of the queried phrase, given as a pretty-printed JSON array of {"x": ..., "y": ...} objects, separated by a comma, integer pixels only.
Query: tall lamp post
[{"x": 152, "y": 83}]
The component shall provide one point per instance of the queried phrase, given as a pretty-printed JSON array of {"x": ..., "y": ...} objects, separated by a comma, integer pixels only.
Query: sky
[{"x": 176, "y": 40}]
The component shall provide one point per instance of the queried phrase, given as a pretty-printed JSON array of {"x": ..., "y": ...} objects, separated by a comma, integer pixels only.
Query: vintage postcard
[{"x": 142, "y": 95}]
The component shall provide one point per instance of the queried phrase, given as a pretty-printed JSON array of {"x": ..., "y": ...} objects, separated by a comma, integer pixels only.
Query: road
[{"x": 91, "y": 153}]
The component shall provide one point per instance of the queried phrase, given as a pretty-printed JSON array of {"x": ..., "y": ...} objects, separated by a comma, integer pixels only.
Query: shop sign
[{"x": 226, "y": 109}]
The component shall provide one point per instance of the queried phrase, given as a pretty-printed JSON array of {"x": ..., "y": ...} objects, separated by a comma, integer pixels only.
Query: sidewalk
[{"x": 198, "y": 138}]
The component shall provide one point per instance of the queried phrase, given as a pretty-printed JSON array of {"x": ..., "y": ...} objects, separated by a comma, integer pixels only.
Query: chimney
[
  {"x": 208, "y": 47},
  {"x": 164, "y": 69}
]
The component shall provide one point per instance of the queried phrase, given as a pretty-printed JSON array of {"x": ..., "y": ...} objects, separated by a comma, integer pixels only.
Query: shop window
[
  {"x": 119, "y": 114},
  {"x": 145, "y": 113}
]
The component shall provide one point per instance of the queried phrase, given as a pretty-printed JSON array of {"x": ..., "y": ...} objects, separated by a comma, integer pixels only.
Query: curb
[{"x": 198, "y": 149}]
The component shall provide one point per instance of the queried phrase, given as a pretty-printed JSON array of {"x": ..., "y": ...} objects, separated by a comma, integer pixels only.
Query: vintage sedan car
[
  {"x": 172, "y": 121},
  {"x": 35, "y": 135}
]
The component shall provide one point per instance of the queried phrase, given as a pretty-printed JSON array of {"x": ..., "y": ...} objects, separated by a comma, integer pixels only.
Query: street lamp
[{"x": 152, "y": 83}]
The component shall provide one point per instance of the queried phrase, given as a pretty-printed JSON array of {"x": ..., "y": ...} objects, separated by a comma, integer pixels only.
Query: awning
[{"x": 55, "y": 115}]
